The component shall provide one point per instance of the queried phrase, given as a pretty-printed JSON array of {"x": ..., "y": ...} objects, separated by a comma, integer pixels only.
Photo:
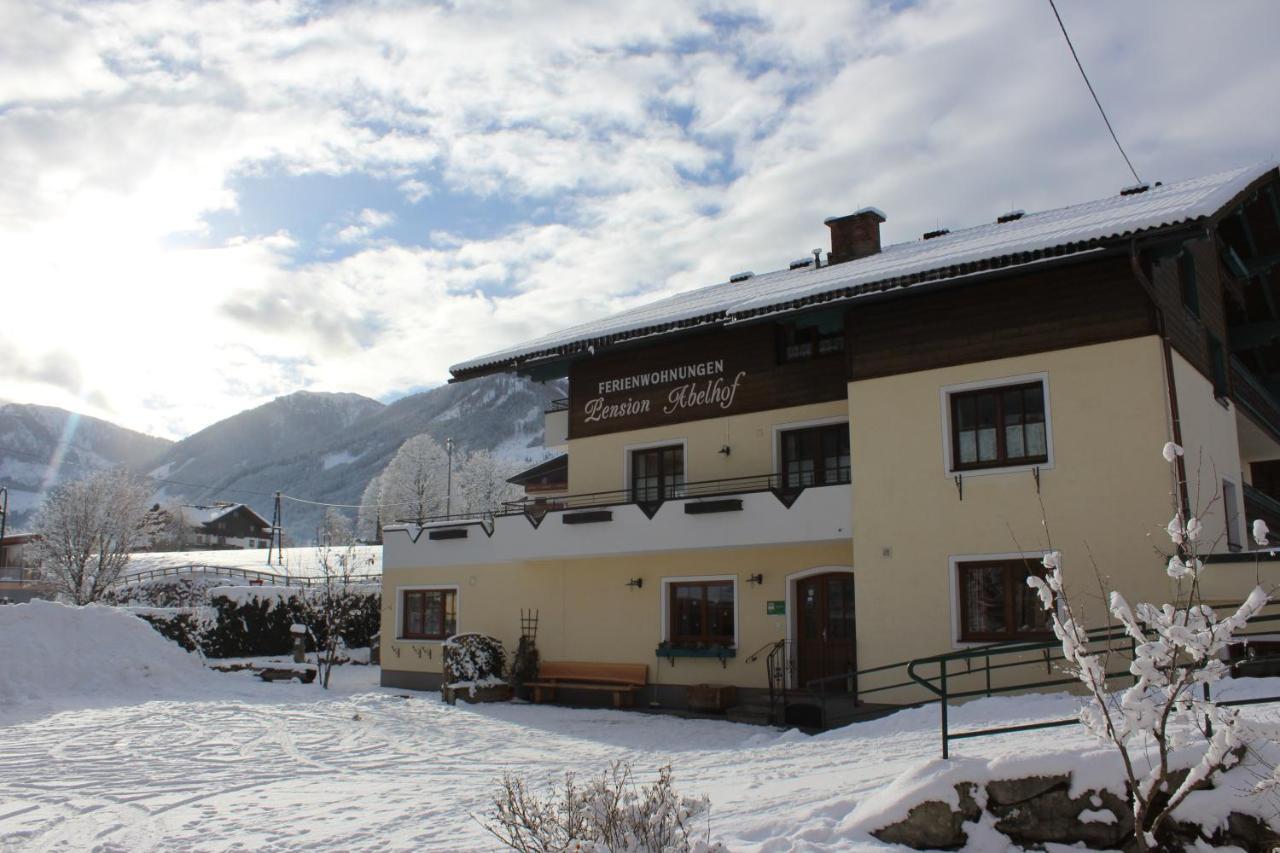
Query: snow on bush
[
  {"x": 611, "y": 814},
  {"x": 56, "y": 655},
  {"x": 1167, "y": 715},
  {"x": 474, "y": 660}
]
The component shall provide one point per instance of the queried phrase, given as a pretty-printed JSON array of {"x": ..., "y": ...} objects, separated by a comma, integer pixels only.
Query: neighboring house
[
  {"x": 19, "y": 579},
  {"x": 852, "y": 457},
  {"x": 545, "y": 480},
  {"x": 225, "y": 525}
]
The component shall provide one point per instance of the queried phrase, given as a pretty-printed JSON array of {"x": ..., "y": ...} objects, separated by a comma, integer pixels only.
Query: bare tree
[
  {"x": 330, "y": 605},
  {"x": 481, "y": 482},
  {"x": 335, "y": 529},
  {"x": 370, "y": 517},
  {"x": 1166, "y": 719},
  {"x": 87, "y": 529},
  {"x": 413, "y": 484}
]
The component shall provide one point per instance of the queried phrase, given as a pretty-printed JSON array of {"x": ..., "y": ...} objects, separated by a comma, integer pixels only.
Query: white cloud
[{"x": 123, "y": 124}]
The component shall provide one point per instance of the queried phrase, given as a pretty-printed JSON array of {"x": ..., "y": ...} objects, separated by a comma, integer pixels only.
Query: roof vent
[
  {"x": 1011, "y": 216},
  {"x": 1135, "y": 189},
  {"x": 800, "y": 263},
  {"x": 929, "y": 235},
  {"x": 741, "y": 276}
]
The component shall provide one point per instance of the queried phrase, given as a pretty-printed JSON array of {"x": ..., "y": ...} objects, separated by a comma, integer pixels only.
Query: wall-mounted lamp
[
  {"x": 755, "y": 579},
  {"x": 636, "y": 582},
  {"x": 725, "y": 450}
]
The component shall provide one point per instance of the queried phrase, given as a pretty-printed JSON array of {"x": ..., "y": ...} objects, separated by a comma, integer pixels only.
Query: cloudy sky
[{"x": 207, "y": 205}]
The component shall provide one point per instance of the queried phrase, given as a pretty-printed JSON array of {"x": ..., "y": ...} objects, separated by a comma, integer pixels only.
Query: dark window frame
[
  {"x": 1002, "y": 459},
  {"x": 837, "y": 433},
  {"x": 1187, "y": 282},
  {"x": 668, "y": 487},
  {"x": 798, "y": 342},
  {"x": 705, "y": 639},
  {"x": 1015, "y": 572},
  {"x": 444, "y": 594}
]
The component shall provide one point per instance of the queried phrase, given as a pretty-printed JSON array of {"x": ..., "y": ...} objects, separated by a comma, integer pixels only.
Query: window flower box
[{"x": 671, "y": 652}]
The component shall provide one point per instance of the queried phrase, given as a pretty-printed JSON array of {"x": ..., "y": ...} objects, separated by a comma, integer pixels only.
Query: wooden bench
[{"x": 620, "y": 679}]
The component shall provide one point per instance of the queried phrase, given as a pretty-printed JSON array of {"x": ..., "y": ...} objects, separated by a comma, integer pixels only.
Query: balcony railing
[
  {"x": 21, "y": 575},
  {"x": 1252, "y": 396},
  {"x": 785, "y": 488}
]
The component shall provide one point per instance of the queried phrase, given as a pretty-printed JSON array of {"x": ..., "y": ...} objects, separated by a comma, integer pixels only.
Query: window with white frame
[
  {"x": 428, "y": 614},
  {"x": 700, "y": 612},
  {"x": 998, "y": 426},
  {"x": 995, "y": 602}
]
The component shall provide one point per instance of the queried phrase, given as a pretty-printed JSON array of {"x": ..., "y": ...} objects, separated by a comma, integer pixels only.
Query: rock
[
  {"x": 1054, "y": 816},
  {"x": 1008, "y": 792},
  {"x": 933, "y": 825},
  {"x": 1248, "y": 832}
]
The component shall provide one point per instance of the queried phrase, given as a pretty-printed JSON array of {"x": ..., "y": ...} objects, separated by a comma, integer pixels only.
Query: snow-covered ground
[
  {"x": 178, "y": 757},
  {"x": 297, "y": 562}
]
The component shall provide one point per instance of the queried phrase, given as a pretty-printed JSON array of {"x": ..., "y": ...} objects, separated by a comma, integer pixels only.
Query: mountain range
[{"x": 322, "y": 447}]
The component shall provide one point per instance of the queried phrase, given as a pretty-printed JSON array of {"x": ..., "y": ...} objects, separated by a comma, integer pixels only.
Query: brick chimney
[{"x": 854, "y": 236}]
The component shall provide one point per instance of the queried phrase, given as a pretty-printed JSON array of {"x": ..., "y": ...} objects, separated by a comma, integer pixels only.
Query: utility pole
[
  {"x": 448, "y": 487},
  {"x": 4, "y": 509},
  {"x": 277, "y": 534}
]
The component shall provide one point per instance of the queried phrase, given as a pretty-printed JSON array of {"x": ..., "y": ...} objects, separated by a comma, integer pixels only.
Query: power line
[
  {"x": 210, "y": 488},
  {"x": 1079, "y": 65},
  {"x": 346, "y": 506}
]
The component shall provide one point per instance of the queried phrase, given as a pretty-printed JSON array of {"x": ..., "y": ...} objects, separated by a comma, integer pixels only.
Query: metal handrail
[
  {"x": 750, "y": 484},
  {"x": 560, "y": 404},
  {"x": 944, "y": 693}
]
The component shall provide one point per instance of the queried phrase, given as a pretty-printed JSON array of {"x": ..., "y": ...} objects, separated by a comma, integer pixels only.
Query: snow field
[{"x": 133, "y": 746}]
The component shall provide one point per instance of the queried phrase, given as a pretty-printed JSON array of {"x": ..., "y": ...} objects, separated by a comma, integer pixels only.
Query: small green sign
[{"x": 775, "y": 608}]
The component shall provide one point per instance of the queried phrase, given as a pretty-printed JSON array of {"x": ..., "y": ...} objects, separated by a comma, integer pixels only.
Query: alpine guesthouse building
[{"x": 856, "y": 461}]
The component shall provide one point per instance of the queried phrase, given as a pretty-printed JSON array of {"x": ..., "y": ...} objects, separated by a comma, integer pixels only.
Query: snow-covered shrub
[
  {"x": 611, "y": 814},
  {"x": 184, "y": 627},
  {"x": 474, "y": 660},
  {"x": 257, "y": 621},
  {"x": 166, "y": 592},
  {"x": 524, "y": 663},
  {"x": 1167, "y": 715}
]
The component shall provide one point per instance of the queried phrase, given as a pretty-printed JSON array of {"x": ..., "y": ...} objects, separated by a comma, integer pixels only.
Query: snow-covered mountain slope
[
  {"x": 317, "y": 446},
  {"x": 326, "y": 447},
  {"x": 42, "y": 445}
]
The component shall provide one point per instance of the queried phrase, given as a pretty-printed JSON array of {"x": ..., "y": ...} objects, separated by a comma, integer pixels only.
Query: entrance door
[{"x": 825, "y": 639}]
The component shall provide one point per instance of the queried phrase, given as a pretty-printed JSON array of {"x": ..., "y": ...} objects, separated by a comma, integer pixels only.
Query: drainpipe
[{"x": 1184, "y": 501}]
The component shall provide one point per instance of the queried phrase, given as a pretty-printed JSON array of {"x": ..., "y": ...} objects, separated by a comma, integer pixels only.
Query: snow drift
[{"x": 58, "y": 657}]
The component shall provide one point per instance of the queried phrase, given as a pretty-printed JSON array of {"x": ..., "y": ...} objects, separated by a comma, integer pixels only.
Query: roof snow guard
[{"x": 1028, "y": 239}]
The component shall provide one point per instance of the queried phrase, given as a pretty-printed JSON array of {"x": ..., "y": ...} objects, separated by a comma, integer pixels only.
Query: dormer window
[{"x": 801, "y": 340}]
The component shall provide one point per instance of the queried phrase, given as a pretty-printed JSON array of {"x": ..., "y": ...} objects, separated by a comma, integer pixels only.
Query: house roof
[
  {"x": 554, "y": 465},
  {"x": 1031, "y": 238},
  {"x": 199, "y": 516}
]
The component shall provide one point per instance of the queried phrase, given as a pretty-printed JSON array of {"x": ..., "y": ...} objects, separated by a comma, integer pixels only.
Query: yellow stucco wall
[
  {"x": 1211, "y": 450},
  {"x": 1106, "y": 490},
  {"x": 598, "y": 463},
  {"x": 588, "y": 612}
]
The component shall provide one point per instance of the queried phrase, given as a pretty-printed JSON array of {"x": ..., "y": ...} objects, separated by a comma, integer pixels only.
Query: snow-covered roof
[
  {"x": 1026, "y": 239},
  {"x": 198, "y": 516}
]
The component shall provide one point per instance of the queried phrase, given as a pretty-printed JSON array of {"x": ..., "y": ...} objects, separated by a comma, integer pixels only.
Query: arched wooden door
[{"x": 825, "y": 630}]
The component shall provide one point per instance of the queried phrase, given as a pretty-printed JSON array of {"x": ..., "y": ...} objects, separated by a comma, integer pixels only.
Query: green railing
[
  {"x": 968, "y": 673},
  {"x": 1114, "y": 641}
]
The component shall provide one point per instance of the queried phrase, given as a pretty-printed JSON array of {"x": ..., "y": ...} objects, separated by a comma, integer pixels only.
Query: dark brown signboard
[{"x": 725, "y": 372}]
